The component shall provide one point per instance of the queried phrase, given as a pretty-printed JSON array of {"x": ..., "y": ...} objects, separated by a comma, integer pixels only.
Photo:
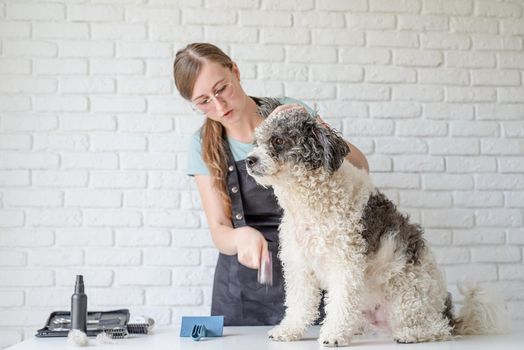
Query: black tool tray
[{"x": 59, "y": 322}]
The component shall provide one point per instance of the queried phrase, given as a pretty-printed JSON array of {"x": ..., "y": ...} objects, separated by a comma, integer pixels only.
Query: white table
[{"x": 255, "y": 338}]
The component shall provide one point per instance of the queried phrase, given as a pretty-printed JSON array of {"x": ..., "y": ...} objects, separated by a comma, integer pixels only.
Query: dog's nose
[{"x": 251, "y": 161}]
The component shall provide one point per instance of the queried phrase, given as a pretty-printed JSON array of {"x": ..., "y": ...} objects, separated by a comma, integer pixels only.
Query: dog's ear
[{"x": 333, "y": 147}]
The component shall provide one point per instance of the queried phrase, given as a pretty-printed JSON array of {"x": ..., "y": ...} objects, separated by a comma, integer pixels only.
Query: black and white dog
[{"x": 340, "y": 234}]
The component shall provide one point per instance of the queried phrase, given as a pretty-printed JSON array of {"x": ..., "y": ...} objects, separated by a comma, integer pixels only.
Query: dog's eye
[{"x": 277, "y": 141}]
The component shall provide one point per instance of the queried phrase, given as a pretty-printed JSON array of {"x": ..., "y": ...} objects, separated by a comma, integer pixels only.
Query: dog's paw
[
  {"x": 333, "y": 339},
  {"x": 409, "y": 336},
  {"x": 334, "y": 342},
  {"x": 360, "y": 330},
  {"x": 285, "y": 333},
  {"x": 404, "y": 341}
]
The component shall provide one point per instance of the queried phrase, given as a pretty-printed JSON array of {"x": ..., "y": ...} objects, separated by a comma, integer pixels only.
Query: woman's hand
[
  {"x": 287, "y": 106},
  {"x": 322, "y": 122},
  {"x": 296, "y": 105},
  {"x": 251, "y": 246}
]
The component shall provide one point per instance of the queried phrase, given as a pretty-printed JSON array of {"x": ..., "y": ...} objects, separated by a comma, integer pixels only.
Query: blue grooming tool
[{"x": 198, "y": 327}]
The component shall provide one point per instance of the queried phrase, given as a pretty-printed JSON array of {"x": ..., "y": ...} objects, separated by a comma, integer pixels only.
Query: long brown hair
[{"x": 187, "y": 66}]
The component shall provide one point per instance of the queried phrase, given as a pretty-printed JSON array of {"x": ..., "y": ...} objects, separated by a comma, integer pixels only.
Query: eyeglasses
[{"x": 204, "y": 104}]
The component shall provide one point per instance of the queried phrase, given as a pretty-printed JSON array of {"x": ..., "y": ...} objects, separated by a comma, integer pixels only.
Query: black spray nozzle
[{"x": 79, "y": 284}]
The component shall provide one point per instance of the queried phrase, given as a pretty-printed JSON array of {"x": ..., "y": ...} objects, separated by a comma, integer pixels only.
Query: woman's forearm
[
  {"x": 248, "y": 243},
  {"x": 224, "y": 239}
]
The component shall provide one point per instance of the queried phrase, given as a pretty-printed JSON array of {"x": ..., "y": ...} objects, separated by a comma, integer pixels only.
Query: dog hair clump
[{"x": 77, "y": 338}]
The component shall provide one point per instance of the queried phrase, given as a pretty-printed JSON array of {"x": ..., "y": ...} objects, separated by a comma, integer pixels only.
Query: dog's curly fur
[{"x": 340, "y": 234}]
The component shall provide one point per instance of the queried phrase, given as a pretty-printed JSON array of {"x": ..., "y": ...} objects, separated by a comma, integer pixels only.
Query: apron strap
[{"x": 233, "y": 189}]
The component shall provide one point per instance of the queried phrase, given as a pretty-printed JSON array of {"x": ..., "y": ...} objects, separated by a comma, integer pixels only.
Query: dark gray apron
[{"x": 236, "y": 293}]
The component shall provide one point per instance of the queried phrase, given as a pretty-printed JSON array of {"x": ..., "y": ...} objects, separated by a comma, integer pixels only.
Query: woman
[{"x": 243, "y": 217}]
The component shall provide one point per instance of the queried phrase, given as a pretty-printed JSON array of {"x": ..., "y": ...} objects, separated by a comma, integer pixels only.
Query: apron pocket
[{"x": 248, "y": 279}]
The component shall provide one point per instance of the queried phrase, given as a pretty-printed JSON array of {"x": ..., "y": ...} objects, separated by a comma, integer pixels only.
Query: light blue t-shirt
[{"x": 195, "y": 163}]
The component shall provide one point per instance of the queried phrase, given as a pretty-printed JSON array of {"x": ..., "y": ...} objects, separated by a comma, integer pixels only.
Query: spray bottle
[{"x": 79, "y": 306}]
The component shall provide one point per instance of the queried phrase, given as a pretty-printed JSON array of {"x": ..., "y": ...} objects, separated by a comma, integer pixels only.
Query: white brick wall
[{"x": 93, "y": 136}]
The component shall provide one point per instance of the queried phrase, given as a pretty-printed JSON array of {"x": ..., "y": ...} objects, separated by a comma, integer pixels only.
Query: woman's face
[{"x": 218, "y": 94}]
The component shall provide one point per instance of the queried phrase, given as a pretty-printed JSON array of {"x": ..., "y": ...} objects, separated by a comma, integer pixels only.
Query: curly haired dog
[{"x": 340, "y": 234}]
